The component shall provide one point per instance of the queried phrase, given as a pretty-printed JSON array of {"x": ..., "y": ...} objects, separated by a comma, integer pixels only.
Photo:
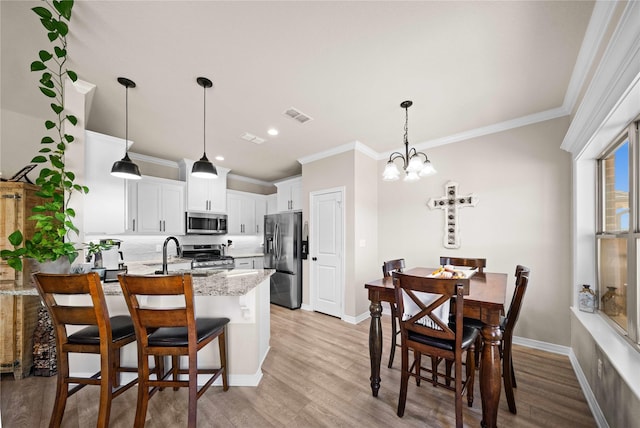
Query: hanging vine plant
[{"x": 54, "y": 218}]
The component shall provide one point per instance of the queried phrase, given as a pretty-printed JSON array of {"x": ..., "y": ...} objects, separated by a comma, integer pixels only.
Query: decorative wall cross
[{"x": 450, "y": 204}]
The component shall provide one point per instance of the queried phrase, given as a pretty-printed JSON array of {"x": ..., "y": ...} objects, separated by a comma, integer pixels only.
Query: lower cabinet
[
  {"x": 156, "y": 205},
  {"x": 249, "y": 263}
]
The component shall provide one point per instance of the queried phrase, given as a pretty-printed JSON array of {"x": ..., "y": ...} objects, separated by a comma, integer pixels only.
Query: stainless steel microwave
[{"x": 205, "y": 223}]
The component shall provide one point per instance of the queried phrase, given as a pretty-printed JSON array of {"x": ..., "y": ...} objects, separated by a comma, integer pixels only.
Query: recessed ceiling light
[
  {"x": 272, "y": 131},
  {"x": 220, "y": 158}
]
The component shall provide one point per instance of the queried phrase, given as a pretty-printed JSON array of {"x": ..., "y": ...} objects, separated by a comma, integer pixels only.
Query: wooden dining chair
[
  {"x": 423, "y": 311},
  {"x": 507, "y": 326},
  {"x": 466, "y": 262},
  {"x": 172, "y": 332},
  {"x": 103, "y": 335},
  {"x": 388, "y": 267}
]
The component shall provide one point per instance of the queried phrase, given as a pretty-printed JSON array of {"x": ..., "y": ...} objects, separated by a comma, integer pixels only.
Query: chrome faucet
[{"x": 165, "y": 270}]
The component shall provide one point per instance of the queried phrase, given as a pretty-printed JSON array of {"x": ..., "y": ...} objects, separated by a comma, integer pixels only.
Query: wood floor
[{"x": 317, "y": 375}]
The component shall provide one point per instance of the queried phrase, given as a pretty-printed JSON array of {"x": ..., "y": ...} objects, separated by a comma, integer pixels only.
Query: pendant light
[
  {"x": 412, "y": 163},
  {"x": 125, "y": 168},
  {"x": 204, "y": 168}
]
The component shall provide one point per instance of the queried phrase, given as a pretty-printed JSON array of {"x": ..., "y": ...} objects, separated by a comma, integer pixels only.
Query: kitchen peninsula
[{"x": 242, "y": 295}]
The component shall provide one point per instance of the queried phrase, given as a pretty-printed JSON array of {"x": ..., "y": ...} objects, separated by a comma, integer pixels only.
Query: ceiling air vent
[
  {"x": 296, "y": 114},
  {"x": 252, "y": 138}
]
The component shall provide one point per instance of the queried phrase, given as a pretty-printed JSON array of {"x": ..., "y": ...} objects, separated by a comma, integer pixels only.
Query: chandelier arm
[{"x": 398, "y": 155}]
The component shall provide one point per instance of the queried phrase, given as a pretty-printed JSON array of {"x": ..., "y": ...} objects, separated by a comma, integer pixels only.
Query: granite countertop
[
  {"x": 206, "y": 282},
  {"x": 246, "y": 255}
]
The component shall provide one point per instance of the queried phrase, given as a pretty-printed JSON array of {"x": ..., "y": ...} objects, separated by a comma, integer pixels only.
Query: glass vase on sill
[
  {"x": 610, "y": 304},
  {"x": 587, "y": 299}
]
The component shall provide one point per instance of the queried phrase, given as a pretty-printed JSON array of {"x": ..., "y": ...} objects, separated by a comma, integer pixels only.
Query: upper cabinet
[
  {"x": 272, "y": 203},
  {"x": 290, "y": 194},
  {"x": 204, "y": 194},
  {"x": 156, "y": 206},
  {"x": 104, "y": 205},
  {"x": 245, "y": 213}
]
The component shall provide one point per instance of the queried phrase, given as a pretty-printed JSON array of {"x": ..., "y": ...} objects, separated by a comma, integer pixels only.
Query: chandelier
[{"x": 415, "y": 164}]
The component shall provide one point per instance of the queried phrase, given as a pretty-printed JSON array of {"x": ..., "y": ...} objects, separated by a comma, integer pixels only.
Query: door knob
[{"x": 314, "y": 258}]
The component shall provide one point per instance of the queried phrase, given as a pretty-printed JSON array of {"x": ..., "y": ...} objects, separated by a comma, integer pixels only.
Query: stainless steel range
[{"x": 208, "y": 256}]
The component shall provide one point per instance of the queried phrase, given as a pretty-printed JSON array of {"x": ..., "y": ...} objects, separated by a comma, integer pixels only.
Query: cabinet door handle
[
  {"x": 164, "y": 226},
  {"x": 134, "y": 224}
]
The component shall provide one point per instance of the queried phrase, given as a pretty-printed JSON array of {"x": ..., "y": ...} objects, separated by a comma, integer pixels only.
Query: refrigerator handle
[{"x": 276, "y": 239}]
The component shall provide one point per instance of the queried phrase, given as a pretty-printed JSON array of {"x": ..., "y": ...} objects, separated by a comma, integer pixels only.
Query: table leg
[
  {"x": 490, "y": 377},
  {"x": 375, "y": 345}
]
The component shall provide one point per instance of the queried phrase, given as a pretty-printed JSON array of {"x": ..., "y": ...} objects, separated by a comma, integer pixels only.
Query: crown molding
[
  {"x": 354, "y": 145},
  {"x": 616, "y": 73},
  {"x": 153, "y": 159},
  {"x": 600, "y": 19},
  {"x": 250, "y": 180}
]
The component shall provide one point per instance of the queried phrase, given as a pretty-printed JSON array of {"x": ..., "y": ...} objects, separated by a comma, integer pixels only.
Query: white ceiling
[{"x": 347, "y": 64}]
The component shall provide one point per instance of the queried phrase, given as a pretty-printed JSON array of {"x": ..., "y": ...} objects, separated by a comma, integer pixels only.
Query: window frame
[{"x": 632, "y": 234}]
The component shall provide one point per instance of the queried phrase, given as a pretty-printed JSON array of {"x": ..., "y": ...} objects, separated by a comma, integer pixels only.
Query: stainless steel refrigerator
[{"x": 283, "y": 252}]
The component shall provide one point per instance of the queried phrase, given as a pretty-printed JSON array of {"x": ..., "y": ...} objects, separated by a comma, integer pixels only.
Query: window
[{"x": 619, "y": 232}]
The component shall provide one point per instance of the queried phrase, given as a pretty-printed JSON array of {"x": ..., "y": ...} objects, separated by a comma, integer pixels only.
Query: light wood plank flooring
[{"x": 317, "y": 375}]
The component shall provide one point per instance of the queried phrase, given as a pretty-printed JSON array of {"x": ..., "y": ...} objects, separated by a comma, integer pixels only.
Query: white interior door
[{"x": 327, "y": 252}]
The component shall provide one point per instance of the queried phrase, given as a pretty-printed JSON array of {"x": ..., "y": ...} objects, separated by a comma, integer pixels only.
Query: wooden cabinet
[
  {"x": 18, "y": 313},
  {"x": 204, "y": 194},
  {"x": 105, "y": 204},
  {"x": 156, "y": 206},
  {"x": 290, "y": 194},
  {"x": 245, "y": 213}
]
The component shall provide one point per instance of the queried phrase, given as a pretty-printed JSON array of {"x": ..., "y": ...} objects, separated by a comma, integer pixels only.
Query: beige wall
[
  {"x": 20, "y": 137},
  {"x": 523, "y": 182}
]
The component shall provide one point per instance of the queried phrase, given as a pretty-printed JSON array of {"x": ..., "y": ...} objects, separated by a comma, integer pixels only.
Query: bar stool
[
  {"x": 172, "y": 332},
  {"x": 104, "y": 336}
]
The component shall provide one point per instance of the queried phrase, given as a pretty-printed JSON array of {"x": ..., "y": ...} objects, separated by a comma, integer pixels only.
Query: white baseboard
[
  {"x": 357, "y": 319},
  {"x": 543, "y": 346},
  {"x": 601, "y": 421}
]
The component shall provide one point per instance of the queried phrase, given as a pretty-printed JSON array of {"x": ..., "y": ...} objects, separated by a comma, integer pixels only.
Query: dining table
[{"x": 485, "y": 302}]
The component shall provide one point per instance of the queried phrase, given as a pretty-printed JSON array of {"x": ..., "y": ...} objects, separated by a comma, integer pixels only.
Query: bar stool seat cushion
[
  {"x": 177, "y": 336},
  {"x": 469, "y": 334},
  {"x": 121, "y": 328}
]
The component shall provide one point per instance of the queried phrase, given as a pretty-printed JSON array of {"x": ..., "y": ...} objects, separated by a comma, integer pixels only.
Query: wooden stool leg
[
  {"x": 222, "y": 346},
  {"x": 115, "y": 373},
  {"x": 62, "y": 390},
  {"x": 175, "y": 367},
  {"x": 471, "y": 373},
  {"x": 159, "y": 368},
  {"x": 507, "y": 376},
  {"x": 143, "y": 392}
]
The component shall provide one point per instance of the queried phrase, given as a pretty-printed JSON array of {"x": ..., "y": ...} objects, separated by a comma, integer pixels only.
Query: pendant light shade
[
  {"x": 125, "y": 168},
  {"x": 204, "y": 168}
]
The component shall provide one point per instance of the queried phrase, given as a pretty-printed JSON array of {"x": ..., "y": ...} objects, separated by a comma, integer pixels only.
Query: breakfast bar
[{"x": 242, "y": 295}]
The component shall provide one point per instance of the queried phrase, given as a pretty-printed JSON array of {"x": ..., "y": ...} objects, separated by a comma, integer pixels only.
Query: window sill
[{"x": 624, "y": 357}]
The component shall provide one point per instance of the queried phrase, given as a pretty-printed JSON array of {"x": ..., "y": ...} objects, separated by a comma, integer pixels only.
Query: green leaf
[
  {"x": 42, "y": 12},
  {"x": 15, "y": 238},
  {"x": 45, "y": 55},
  {"x": 47, "y": 83},
  {"x": 64, "y": 8},
  {"x": 85, "y": 189},
  {"x": 50, "y": 25},
  {"x": 71, "y": 212},
  {"x": 38, "y": 66},
  {"x": 48, "y": 92},
  {"x": 49, "y": 124},
  {"x": 70, "y": 175},
  {"x": 52, "y": 36},
  {"x": 56, "y": 108},
  {"x": 72, "y": 75},
  {"x": 56, "y": 162},
  {"x": 63, "y": 28},
  {"x": 71, "y": 118},
  {"x": 44, "y": 150},
  {"x": 46, "y": 140},
  {"x": 69, "y": 138},
  {"x": 39, "y": 159},
  {"x": 60, "y": 53}
]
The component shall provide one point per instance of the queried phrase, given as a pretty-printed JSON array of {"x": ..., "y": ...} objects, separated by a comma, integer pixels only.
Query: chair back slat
[
  {"x": 155, "y": 318},
  {"x": 155, "y": 285},
  {"x": 75, "y": 315},
  {"x": 390, "y": 266},
  {"x": 464, "y": 261},
  {"x": 522, "y": 281}
]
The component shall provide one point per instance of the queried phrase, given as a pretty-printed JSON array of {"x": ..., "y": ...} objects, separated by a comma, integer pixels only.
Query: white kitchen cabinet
[
  {"x": 204, "y": 194},
  {"x": 245, "y": 213},
  {"x": 272, "y": 203},
  {"x": 156, "y": 205},
  {"x": 249, "y": 263},
  {"x": 290, "y": 194},
  {"x": 104, "y": 205}
]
